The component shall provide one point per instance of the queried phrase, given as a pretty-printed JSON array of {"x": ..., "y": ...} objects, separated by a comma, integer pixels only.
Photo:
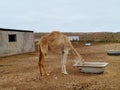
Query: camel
[{"x": 55, "y": 41}]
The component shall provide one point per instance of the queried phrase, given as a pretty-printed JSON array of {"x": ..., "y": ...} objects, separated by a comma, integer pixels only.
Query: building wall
[{"x": 24, "y": 43}]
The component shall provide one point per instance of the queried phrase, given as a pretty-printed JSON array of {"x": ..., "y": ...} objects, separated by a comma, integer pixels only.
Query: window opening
[{"x": 12, "y": 37}]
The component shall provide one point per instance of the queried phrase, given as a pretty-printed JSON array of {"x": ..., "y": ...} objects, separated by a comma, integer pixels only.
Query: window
[{"x": 12, "y": 38}]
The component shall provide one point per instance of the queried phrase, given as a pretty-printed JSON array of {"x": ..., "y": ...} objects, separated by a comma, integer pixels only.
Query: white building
[
  {"x": 16, "y": 41},
  {"x": 72, "y": 38}
]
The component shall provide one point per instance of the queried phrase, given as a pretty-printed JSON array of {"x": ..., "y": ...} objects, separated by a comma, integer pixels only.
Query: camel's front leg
[{"x": 64, "y": 61}]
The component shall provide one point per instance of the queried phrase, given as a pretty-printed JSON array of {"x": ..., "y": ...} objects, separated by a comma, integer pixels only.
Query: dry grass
[{"x": 20, "y": 72}]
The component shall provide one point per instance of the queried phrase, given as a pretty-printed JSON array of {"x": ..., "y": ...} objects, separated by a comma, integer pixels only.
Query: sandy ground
[{"x": 20, "y": 72}]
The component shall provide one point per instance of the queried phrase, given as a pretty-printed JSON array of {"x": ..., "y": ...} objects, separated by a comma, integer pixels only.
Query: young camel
[{"x": 55, "y": 41}]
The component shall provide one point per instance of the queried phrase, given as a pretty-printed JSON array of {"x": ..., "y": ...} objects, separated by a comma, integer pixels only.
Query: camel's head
[{"x": 78, "y": 62}]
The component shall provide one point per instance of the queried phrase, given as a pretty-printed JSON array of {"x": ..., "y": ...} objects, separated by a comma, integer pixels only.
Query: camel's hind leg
[
  {"x": 41, "y": 65},
  {"x": 41, "y": 56},
  {"x": 64, "y": 61}
]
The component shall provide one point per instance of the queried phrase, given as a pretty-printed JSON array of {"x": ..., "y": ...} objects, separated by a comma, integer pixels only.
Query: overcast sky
[{"x": 62, "y": 15}]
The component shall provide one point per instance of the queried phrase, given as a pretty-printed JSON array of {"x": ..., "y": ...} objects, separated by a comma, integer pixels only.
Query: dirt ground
[{"x": 20, "y": 72}]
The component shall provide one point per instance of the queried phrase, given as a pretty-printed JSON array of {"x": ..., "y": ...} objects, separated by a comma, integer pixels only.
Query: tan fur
[{"x": 54, "y": 41}]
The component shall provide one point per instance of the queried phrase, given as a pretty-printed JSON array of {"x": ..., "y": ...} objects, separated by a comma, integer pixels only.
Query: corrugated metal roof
[{"x": 16, "y": 30}]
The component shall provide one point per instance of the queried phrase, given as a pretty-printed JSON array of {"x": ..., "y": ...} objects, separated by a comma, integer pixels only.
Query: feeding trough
[
  {"x": 113, "y": 52},
  {"x": 92, "y": 67}
]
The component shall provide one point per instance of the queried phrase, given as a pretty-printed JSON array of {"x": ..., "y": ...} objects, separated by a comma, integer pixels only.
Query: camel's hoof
[
  {"x": 65, "y": 73},
  {"x": 47, "y": 74}
]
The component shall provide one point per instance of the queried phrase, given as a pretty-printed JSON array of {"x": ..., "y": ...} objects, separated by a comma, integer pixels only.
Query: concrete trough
[
  {"x": 92, "y": 67},
  {"x": 113, "y": 52}
]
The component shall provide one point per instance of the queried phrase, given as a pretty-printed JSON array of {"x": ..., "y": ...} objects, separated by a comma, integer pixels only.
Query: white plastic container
[{"x": 87, "y": 44}]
